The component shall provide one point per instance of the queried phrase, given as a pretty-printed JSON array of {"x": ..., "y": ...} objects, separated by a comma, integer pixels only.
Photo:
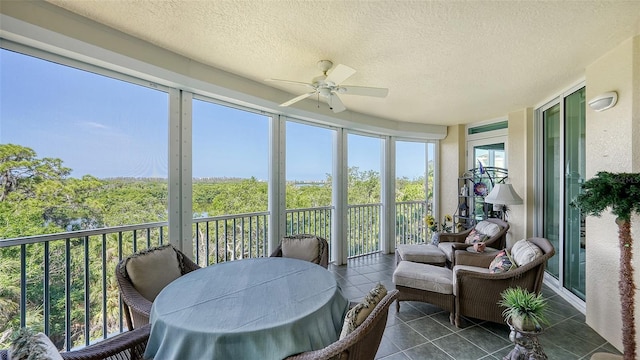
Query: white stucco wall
[
  {"x": 452, "y": 164},
  {"x": 520, "y": 163},
  {"x": 612, "y": 144}
]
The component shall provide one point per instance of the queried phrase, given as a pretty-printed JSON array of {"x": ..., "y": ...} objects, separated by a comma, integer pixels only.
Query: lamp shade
[{"x": 503, "y": 194}]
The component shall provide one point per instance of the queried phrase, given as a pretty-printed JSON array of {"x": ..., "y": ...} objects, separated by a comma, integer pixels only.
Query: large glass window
[
  {"x": 230, "y": 168},
  {"x": 309, "y": 165},
  {"x": 364, "y": 204},
  {"x": 412, "y": 185},
  {"x": 78, "y": 151}
]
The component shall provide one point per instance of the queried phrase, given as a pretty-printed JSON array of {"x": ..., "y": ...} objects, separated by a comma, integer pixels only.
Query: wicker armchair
[
  {"x": 477, "y": 292},
  {"x": 136, "y": 307},
  {"x": 321, "y": 257},
  {"x": 450, "y": 242},
  {"x": 129, "y": 345},
  {"x": 362, "y": 343}
]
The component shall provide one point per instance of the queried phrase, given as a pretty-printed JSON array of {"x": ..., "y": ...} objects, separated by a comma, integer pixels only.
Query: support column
[{"x": 339, "y": 223}]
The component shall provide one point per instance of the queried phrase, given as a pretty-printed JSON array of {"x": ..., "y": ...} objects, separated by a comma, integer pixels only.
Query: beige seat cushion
[
  {"x": 151, "y": 270},
  {"x": 359, "y": 313},
  {"x": 424, "y": 277},
  {"x": 421, "y": 253},
  {"x": 468, "y": 268},
  {"x": 488, "y": 228},
  {"x": 303, "y": 248},
  {"x": 524, "y": 252},
  {"x": 447, "y": 249}
]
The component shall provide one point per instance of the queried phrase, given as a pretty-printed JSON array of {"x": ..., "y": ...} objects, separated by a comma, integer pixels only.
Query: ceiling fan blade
[
  {"x": 297, "y": 98},
  {"x": 336, "y": 104},
  {"x": 363, "y": 90},
  {"x": 291, "y": 82},
  {"x": 339, "y": 74}
]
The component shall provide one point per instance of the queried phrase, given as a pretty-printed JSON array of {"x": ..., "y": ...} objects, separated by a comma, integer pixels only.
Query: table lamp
[{"x": 503, "y": 194}]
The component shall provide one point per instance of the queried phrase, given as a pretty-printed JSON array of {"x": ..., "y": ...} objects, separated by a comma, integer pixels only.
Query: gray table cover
[{"x": 264, "y": 308}]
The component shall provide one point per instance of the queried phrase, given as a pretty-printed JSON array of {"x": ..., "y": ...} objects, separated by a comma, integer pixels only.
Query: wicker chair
[
  {"x": 362, "y": 343},
  {"x": 322, "y": 255},
  {"x": 129, "y": 345},
  {"x": 136, "y": 307},
  {"x": 450, "y": 242},
  {"x": 477, "y": 292}
]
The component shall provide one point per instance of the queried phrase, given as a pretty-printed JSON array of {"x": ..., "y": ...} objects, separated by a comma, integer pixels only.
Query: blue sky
[{"x": 111, "y": 128}]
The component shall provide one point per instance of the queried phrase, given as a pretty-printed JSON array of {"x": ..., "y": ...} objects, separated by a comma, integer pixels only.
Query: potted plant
[
  {"x": 621, "y": 193},
  {"x": 526, "y": 311}
]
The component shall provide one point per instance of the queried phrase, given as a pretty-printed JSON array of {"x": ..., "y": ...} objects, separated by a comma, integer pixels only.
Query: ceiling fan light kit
[{"x": 329, "y": 86}]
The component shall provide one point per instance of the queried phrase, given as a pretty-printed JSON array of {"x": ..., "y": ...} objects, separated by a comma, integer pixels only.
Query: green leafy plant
[
  {"x": 525, "y": 310},
  {"x": 619, "y": 192}
]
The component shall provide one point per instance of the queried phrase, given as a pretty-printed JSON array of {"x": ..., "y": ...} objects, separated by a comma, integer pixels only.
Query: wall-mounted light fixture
[{"x": 604, "y": 101}]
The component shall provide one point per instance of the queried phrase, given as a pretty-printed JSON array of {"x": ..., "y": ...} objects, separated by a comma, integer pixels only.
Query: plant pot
[{"x": 524, "y": 324}]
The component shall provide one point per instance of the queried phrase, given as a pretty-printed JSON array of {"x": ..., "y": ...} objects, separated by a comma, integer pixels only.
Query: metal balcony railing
[
  {"x": 410, "y": 224},
  {"x": 65, "y": 286}
]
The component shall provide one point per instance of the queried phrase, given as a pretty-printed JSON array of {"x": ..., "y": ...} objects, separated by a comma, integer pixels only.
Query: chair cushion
[
  {"x": 468, "y": 268},
  {"x": 303, "y": 248},
  {"x": 501, "y": 263},
  {"x": 474, "y": 237},
  {"x": 487, "y": 228},
  {"x": 153, "y": 269},
  {"x": 425, "y": 277},
  {"x": 447, "y": 249},
  {"x": 422, "y": 253},
  {"x": 524, "y": 252},
  {"x": 29, "y": 345},
  {"x": 358, "y": 314}
]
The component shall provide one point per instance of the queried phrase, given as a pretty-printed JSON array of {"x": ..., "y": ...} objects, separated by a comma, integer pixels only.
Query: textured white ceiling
[{"x": 444, "y": 62}]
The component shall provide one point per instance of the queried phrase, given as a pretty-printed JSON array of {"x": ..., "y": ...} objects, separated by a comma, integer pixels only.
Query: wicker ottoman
[
  {"x": 420, "y": 253},
  {"x": 426, "y": 283}
]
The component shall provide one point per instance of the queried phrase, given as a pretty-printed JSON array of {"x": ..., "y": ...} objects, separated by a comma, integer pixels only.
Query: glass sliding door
[
  {"x": 574, "y": 158},
  {"x": 551, "y": 180},
  {"x": 563, "y": 171}
]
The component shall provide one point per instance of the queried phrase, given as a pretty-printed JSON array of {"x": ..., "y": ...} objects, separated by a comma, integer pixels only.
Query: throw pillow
[
  {"x": 524, "y": 252},
  {"x": 501, "y": 263},
  {"x": 153, "y": 269},
  {"x": 302, "y": 248},
  {"x": 474, "y": 237},
  {"x": 357, "y": 314},
  {"x": 435, "y": 238},
  {"x": 488, "y": 228},
  {"x": 26, "y": 344}
]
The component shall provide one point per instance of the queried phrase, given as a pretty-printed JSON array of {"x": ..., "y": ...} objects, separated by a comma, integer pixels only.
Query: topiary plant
[{"x": 621, "y": 193}]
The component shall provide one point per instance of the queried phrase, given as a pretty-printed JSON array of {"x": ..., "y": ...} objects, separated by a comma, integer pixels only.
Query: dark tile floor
[{"x": 422, "y": 331}]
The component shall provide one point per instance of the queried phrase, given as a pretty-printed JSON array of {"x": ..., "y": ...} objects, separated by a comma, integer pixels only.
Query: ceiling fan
[{"x": 329, "y": 86}]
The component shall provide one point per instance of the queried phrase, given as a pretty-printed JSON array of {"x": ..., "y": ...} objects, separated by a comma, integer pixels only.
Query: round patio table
[{"x": 263, "y": 308}]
